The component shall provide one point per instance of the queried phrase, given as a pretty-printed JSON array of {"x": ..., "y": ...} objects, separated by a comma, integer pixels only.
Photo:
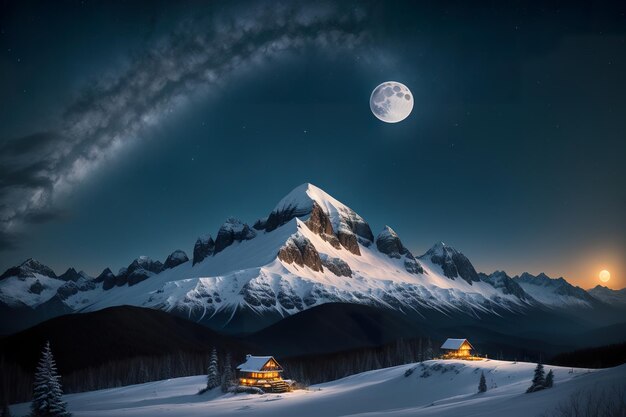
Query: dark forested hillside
[
  {"x": 111, "y": 347},
  {"x": 90, "y": 339},
  {"x": 596, "y": 357}
]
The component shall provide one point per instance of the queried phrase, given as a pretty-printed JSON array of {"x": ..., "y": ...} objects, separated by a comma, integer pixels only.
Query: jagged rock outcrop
[
  {"x": 258, "y": 293},
  {"x": 108, "y": 279},
  {"x": 176, "y": 258},
  {"x": 74, "y": 287},
  {"x": 349, "y": 241},
  {"x": 389, "y": 243},
  {"x": 260, "y": 224},
  {"x": 205, "y": 246},
  {"x": 145, "y": 262},
  {"x": 106, "y": 273},
  {"x": 412, "y": 266},
  {"x": 319, "y": 294},
  {"x": 122, "y": 277},
  {"x": 279, "y": 217},
  {"x": 138, "y": 275},
  {"x": 70, "y": 275},
  {"x": 140, "y": 269},
  {"x": 300, "y": 250},
  {"x": 452, "y": 262},
  {"x": 359, "y": 227},
  {"x": 506, "y": 284},
  {"x": 28, "y": 269},
  {"x": 36, "y": 288},
  {"x": 287, "y": 297},
  {"x": 233, "y": 230},
  {"x": 319, "y": 223},
  {"x": 337, "y": 266}
]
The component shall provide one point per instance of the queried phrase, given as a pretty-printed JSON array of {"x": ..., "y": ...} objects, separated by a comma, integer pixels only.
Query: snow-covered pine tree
[
  {"x": 213, "y": 374},
  {"x": 539, "y": 380},
  {"x": 549, "y": 379},
  {"x": 47, "y": 392},
  {"x": 227, "y": 376},
  {"x": 482, "y": 385}
]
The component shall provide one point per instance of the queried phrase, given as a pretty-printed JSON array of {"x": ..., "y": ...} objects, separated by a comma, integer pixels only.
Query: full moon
[
  {"x": 605, "y": 275},
  {"x": 391, "y": 102}
]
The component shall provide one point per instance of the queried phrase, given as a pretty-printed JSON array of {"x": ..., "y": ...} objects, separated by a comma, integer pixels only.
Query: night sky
[{"x": 130, "y": 128}]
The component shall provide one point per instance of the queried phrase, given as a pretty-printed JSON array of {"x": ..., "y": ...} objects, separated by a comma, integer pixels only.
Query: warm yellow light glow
[{"x": 605, "y": 275}]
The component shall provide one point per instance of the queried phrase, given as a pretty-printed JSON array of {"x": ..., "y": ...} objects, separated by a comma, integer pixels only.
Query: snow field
[{"x": 442, "y": 388}]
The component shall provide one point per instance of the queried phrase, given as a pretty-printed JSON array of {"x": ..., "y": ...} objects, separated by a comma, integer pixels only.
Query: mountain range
[{"x": 310, "y": 250}]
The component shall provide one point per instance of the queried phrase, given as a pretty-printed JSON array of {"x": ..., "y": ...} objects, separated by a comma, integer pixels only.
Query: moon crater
[{"x": 391, "y": 102}]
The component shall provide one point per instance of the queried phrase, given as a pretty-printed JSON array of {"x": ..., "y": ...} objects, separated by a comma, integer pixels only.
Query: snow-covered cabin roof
[
  {"x": 455, "y": 344},
  {"x": 256, "y": 363}
]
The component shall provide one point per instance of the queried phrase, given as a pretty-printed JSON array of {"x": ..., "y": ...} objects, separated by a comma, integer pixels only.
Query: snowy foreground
[{"x": 434, "y": 388}]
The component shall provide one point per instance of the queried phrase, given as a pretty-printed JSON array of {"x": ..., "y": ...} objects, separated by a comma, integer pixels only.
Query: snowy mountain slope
[
  {"x": 500, "y": 280},
  {"x": 609, "y": 296},
  {"x": 311, "y": 249},
  {"x": 434, "y": 388},
  {"x": 30, "y": 291},
  {"x": 28, "y": 269},
  {"x": 554, "y": 292}
]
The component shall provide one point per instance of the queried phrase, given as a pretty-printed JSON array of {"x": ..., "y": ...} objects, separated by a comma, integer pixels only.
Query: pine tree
[
  {"x": 47, "y": 392},
  {"x": 227, "y": 377},
  {"x": 420, "y": 352},
  {"x": 213, "y": 374},
  {"x": 549, "y": 379},
  {"x": 482, "y": 385},
  {"x": 429, "y": 354},
  {"x": 539, "y": 380}
]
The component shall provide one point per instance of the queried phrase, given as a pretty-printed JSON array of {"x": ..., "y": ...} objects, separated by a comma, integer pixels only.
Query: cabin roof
[
  {"x": 455, "y": 344},
  {"x": 255, "y": 363}
]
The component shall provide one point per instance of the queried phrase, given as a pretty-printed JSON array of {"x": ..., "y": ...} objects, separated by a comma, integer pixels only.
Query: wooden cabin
[
  {"x": 457, "y": 348},
  {"x": 262, "y": 372}
]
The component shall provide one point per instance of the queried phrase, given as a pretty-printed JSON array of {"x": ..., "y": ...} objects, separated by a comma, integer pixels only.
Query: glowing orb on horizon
[
  {"x": 604, "y": 275},
  {"x": 391, "y": 102}
]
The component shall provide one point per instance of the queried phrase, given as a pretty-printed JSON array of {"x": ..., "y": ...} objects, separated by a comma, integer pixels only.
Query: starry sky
[{"x": 131, "y": 128}]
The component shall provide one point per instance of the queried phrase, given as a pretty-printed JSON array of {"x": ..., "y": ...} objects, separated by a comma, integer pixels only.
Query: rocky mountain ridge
[{"x": 310, "y": 250}]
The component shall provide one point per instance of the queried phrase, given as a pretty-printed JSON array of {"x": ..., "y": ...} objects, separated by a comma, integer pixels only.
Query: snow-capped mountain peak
[
  {"x": 452, "y": 262},
  {"x": 28, "y": 269},
  {"x": 553, "y": 291},
  {"x": 439, "y": 249},
  {"x": 389, "y": 243},
  {"x": 301, "y": 201},
  {"x": 233, "y": 230},
  {"x": 175, "y": 258},
  {"x": 310, "y": 250},
  {"x": 105, "y": 274},
  {"x": 608, "y": 295},
  {"x": 72, "y": 275},
  {"x": 205, "y": 246},
  {"x": 387, "y": 232}
]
